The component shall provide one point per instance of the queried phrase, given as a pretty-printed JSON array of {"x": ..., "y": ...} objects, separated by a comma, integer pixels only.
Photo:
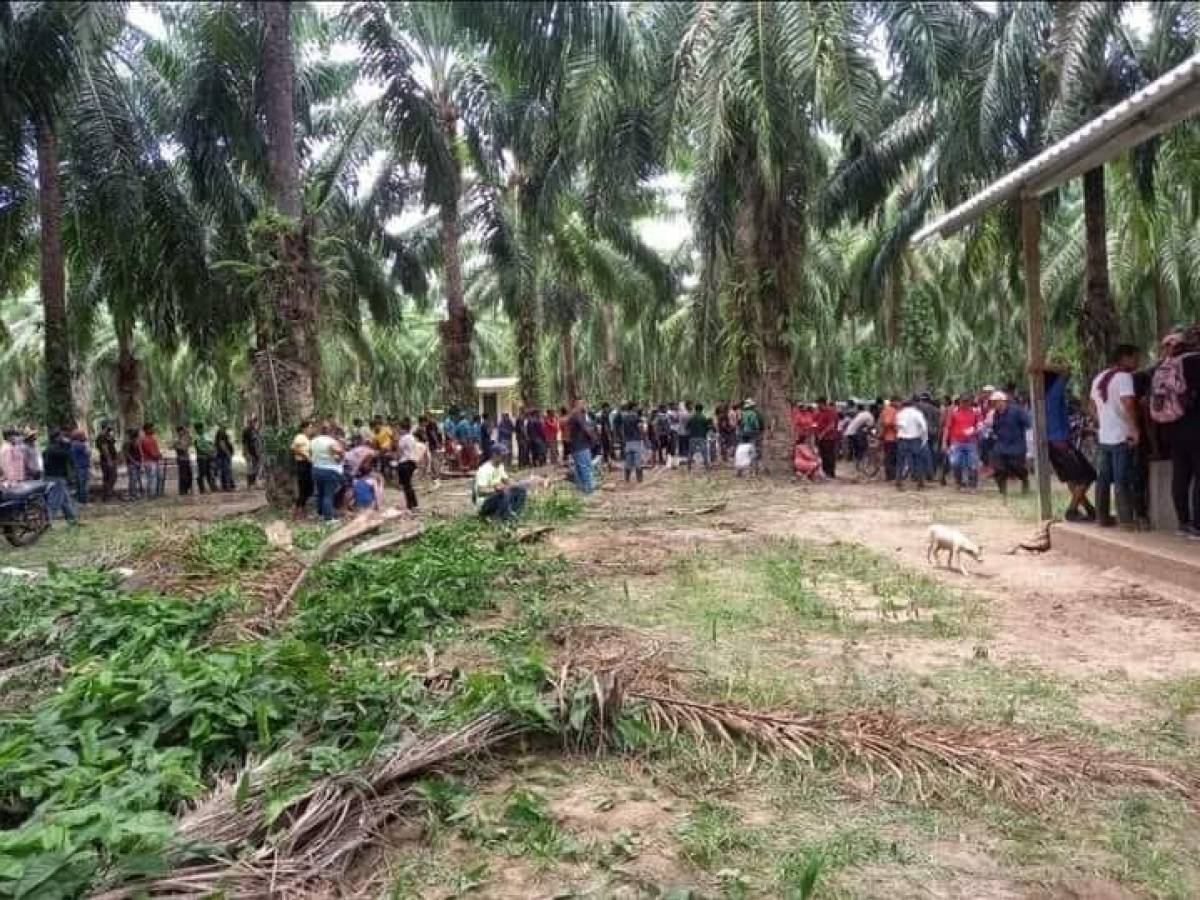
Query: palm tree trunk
[
  {"x": 60, "y": 411},
  {"x": 525, "y": 327},
  {"x": 891, "y": 308},
  {"x": 129, "y": 382},
  {"x": 612, "y": 356},
  {"x": 1098, "y": 328},
  {"x": 456, "y": 330},
  {"x": 1162, "y": 305},
  {"x": 567, "y": 353},
  {"x": 287, "y": 365}
]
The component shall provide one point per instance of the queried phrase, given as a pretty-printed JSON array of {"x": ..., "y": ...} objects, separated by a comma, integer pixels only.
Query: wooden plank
[{"x": 1031, "y": 232}]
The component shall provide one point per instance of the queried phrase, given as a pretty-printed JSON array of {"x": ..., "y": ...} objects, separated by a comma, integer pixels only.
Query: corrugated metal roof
[{"x": 1155, "y": 108}]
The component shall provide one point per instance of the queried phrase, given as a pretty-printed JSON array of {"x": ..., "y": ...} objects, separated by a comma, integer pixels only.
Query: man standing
[
  {"x": 607, "y": 445},
  {"x": 1070, "y": 465},
  {"x": 204, "y": 460},
  {"x": 580, "y": 436},
  {"x": 825, "y": 424},
  {"x": 856, "y": 432},
  {"x": 887, "y": 435},
  {"x": 521, "y": 430},
  {"x": 56, "y": 463},
  {"x": 133, "y": 462},
  {"x": 151, "y": 461},
  {"x": 223, "y": 456},
  {"x": 252, "y": 448},
  {"x": 750, "y": 431},
  {"x": 495, "y": 496},
  {"x": 535, "y": 437},
  {"x": 912, "y": 434},
  {"x": 631, "y": 430},
  {"x": 106, "y": 446},
  {"x": 301, "y": 461},
  {"x": 81, "y": 462},
  {"x": 960, "y": 438},
  {"x": 1009, "y": 424},
  {"x": 183, "y": 460},
  {"x": 696, "y": 436},
  {"x": 12, "y": 458},
  {"x": 1114, "y": 405},
  {"x": 1175, "y": 405}
]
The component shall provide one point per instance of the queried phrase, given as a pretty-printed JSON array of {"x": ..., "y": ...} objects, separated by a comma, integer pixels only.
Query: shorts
[
  {"x": 1010, "y": 465},
  {"x": 1071, "y": 466}
]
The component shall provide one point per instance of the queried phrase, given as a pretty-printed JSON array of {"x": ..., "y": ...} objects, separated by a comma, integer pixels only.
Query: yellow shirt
[
  {"x": 383, "y": 437},
  {"x": 300, "y": 447}
]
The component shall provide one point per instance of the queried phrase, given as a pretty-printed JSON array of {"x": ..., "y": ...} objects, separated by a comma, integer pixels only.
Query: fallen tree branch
[
  {"x": 330, "y": 547},
  {"x": 702, "y": 511},
  {"x": 33, "y": 667},
  {"x": 384, "y": 541}
]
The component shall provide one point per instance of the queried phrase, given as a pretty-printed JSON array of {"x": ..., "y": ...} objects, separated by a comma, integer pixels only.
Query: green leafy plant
[{"x": 228, "y": 548}]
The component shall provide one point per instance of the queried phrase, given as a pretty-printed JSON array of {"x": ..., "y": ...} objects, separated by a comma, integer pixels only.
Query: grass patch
[
  {"x": 1143, "y": 832},
  {"x": 714, "y": 834},
  {"x": 556, "y": 506}
]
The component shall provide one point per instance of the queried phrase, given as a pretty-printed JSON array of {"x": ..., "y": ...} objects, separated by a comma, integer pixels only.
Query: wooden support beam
[{"x": 1031, "y": 232}]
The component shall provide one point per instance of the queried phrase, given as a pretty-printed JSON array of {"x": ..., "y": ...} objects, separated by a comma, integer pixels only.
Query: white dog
[{"x": 943, "y": 537}]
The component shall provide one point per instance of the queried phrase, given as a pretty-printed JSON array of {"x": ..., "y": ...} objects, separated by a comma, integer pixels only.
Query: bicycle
[{"x": 870, "y": 462}]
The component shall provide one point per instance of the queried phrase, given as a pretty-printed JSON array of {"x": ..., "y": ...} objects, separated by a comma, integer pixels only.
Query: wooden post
[{"x": 1031, "y": 232}]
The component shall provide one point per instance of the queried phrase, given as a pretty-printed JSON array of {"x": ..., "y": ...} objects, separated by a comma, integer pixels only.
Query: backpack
[{"x": 1170, "y": 397}]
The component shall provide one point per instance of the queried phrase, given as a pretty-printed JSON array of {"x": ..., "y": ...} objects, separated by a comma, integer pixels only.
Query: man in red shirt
[
  {"x": 152, "y": 471},
  {"x": 960, "y": 438},
  {"x": 825, "y": 424}
]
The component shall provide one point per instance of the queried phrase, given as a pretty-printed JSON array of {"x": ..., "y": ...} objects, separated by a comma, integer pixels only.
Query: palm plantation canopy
[{"x": 273, "y": 207}]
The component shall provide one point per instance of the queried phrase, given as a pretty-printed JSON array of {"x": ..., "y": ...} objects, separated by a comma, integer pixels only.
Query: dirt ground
[{"x": 801, "y": 598}]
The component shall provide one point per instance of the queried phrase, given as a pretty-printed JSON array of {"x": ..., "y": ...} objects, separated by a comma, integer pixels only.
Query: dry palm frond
[
  {"x": 1039, "y": 543},
  {"x": 318, "y": 834},
  {"x": 928, "y": 758}
]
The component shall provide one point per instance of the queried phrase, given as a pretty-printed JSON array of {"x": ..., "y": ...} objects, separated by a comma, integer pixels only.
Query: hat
[
  {"x": 999, "y": 395},
  {"x": 749, "y": 402},
  {"x": 989, "y": 388}
]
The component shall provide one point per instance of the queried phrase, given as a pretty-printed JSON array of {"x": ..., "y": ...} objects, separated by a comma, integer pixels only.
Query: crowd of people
[{"x": 1140, "y": 415}]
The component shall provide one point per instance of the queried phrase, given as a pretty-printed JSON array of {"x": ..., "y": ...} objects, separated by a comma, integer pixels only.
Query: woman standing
[
  {"x": 327, "y": 456},
  {"x": 407, "y": 446}
]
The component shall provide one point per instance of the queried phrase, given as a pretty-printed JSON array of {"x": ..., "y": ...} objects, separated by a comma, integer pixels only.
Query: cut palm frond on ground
[{"x": 230, "y": 848}]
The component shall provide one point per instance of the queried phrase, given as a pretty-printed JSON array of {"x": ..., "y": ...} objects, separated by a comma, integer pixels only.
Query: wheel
[
  {"x": 34, "y": 519},
  {"x": 868, "y": 464}
]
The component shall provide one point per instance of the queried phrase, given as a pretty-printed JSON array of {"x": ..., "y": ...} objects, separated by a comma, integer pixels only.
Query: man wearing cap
[
  {"x": 1009, "y": 424},
  {"x": 750, "y": 430},
  {"x": 495, "y": 496}
]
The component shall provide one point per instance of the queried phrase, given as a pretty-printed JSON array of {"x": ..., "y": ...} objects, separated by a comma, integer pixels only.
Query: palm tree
[
  {"x": 42, "y": 46},
  {"x": 755, "y": 82},
  {"x": 416, "y": 52}
]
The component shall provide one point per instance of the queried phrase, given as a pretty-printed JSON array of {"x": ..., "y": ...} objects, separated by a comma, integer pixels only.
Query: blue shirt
[
  {"x": 1058, "y": 419},
  {"x": 364, "y": 493},
  {"x": 1009, "y": 428}
]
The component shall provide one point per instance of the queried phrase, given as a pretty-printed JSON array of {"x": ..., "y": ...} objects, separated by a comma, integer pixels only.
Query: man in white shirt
[
  {"x": 912, "y": 434},
  {"x": 495, "y": 496},
  {"x": 856, "y": 431},
  {"x": 1115, "y": 407}
]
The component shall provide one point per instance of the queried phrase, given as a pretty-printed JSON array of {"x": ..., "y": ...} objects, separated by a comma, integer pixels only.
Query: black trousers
[
  {"x": 889, "y": 461},
  {"x": 828, "y": 450},
  {"x": 108, "y": 475},
  {"x": 184, "y": 467},
  {"x": 204, "y": 474},
  {"x": 304, "y": 483},
  {"x": 1185, "y": 477},
  {"x": 405, "y": 473}
]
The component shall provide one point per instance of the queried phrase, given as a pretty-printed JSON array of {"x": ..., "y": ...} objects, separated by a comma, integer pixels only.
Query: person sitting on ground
[
  {"x": 367, "y": 489},
  {"x": 496, "y": 496}
]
